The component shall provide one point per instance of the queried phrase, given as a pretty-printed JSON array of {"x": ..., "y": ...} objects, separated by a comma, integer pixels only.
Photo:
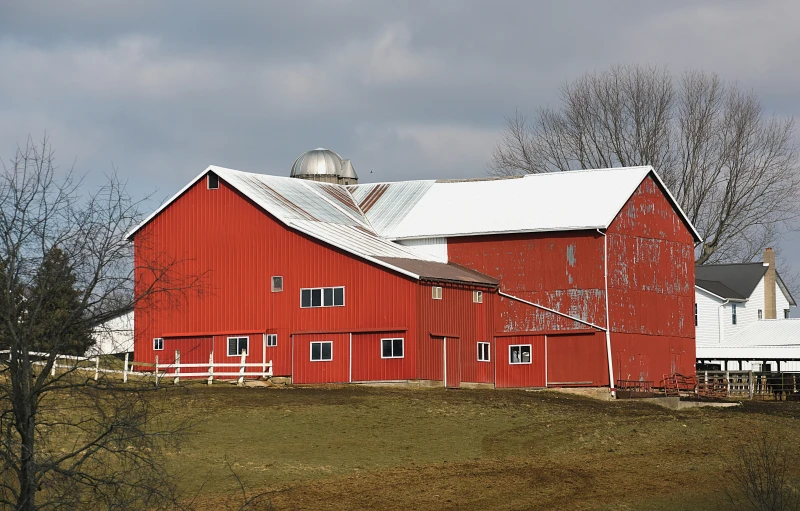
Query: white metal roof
[
  {"x": 558, "y": 201},
  {"x": 763, "y": 339},
  {"x": 364, "y": 219}
]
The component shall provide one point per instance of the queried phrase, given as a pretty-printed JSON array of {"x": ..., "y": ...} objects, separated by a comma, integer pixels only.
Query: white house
[
  {"x": 732, "y": 305},
  {"x": 114, "y": 336}
]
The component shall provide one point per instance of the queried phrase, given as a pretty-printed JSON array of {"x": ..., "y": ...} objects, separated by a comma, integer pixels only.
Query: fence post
[
  {"x": 125, "y": 369},
  {"x": 156, "y": 371},
  {"x": 264, "y": 357},
  {"x": 96, "y": 367},
  {"x": 241, "y": 369},
  {"x": 211, "y": 367},
  {"x": 177, "y": 367},
  {"x": 53, "y": 369},
  {"x": 727, "y": 383},
  {"x": 752, "y": 385}
]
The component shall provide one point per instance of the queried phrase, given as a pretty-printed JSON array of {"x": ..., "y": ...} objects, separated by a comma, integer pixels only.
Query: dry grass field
[{"x": 351, "y": 447}]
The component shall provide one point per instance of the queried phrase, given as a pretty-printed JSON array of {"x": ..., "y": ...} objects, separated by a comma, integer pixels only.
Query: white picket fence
[{"x": 228, "y": 370}]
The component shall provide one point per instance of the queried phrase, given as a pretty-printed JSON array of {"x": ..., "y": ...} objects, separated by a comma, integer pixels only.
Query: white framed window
[
  {"x": 212, "y": 181},
  {"x": 322, "y": 351},
  {"x": 237, "y": 345},
  {"x": 322, "y": 297},
  {"x": 272, "y": 340},
  {"x": 158, "y": 343},
  {"x": 786, "y": 313},
  {"x": 392, "y": 348},
  {"x": 436, "y": 293},
  {"x": 760, "y": 314},
  {"x": 483, "y": 352},
  {"x": 733, "y": 314},
  {"x": 695, "y": 314},
  {"x": 519, "y": 354},
  {"x": 477, "y": 297},
  {"x": 277, "y": 284}
]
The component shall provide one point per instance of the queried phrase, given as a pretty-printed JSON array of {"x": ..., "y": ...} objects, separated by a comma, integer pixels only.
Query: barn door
[{"x": 452, "y": 362}]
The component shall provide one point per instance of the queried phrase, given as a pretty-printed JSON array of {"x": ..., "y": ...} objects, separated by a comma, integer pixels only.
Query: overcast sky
[{"x": 414, "y": 90}]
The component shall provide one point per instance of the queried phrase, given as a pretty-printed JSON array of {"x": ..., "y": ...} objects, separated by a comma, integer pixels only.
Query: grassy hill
[{"x": 352, "y": 447}]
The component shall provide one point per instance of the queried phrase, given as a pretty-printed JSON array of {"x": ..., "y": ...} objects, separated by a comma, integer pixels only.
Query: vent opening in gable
[{"x": 213, "y": 181}]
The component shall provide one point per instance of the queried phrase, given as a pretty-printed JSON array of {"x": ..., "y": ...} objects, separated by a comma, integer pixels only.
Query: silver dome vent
[{"x": 324, "y": 165}]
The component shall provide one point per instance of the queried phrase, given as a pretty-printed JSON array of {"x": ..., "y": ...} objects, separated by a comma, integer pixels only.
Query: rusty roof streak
[
  {"x": 274, "y": 195},
  {"x": 372, "y": 197},
  {"x": 343, "y": 198}
]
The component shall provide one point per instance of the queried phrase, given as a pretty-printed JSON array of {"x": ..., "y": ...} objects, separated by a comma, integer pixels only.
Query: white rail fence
[{"x": 220, "y": 370}]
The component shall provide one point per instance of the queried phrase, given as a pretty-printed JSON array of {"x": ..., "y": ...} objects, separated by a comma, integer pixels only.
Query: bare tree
[
  {"x": 760, "y": 479},
  {"x": 733, "y": 170},
  {"x": 67, "y": 441}
]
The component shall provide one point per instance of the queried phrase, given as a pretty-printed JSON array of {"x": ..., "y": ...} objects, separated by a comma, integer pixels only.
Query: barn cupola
[{"x": 324, "y": 165}]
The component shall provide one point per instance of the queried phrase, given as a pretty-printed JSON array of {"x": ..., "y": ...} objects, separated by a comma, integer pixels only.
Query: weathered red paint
[{"x": 651, "y": 288}]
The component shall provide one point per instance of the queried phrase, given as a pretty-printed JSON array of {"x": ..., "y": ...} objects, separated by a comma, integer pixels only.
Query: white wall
[
  {"x": 707, "y": 330},
  {"x": 433, "y": 249},
  {"x": 114, "y": 336}
]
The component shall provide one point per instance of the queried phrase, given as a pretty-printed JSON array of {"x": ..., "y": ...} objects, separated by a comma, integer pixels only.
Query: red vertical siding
[
  {"x": 237, "y": 248},
  {"x": 577, "y": 360},
  {"x": 455, "y": 315},
  {"x": 651, "y": 288},
  {"x": 520, "y": 375},
  {"x": 561, "y": 271},
  {"x": 193, "y": 350},
  {"x": 452, "y": 353},
  {"x": 334, "y": 371},
  {"x": 368, "y": 365}
]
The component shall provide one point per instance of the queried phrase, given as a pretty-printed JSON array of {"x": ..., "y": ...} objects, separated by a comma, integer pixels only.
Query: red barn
[{"x": 567, "y": 279}]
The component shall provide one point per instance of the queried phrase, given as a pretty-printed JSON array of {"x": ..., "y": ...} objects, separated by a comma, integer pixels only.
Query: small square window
[
  {"x": 477, "y": 296},
  {"x": 158, "y": 343},
  {"x": 322, "y": 351},
  {"x": 305, "y": 298},
  {"x": 277, "y": 284},
  {"x": 316, "y": 297},
  {"x": 483, "y": 352},
  {"x": 436, "y": 293},
  {"x": 327, "y": 297},
  {"x": 237, "y": 345},
  {"x": 338, "y": 296},
  {"x": 213, "y": 181},
  {"x": 272, "y": 340},
  {"x": 519, "y": 354},
  {"x": 391, "y": 348}
]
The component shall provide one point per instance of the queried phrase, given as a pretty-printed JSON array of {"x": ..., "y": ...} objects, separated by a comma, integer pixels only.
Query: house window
[
  {"x": 477, "y": 297},
  {"x": 733, "y": 314},
  {"x": 322, "y": 351},
  {"x": 322, "y": 297},
  {"x": 158, "y": 343},
  {"x": 786, "y": 313},
  {"x": 277, "y": 284},
  {"x": 391, "y": 348},
  {"x": 519, "y": 354},
  {"x": 272, "y": 340},
  {"x": 237, "y": 345},
  {"x": 213, "y": 181},
  {"x": 436, "y": 293},
  {"x": 760, "y": 314},
  {"x": 695, "y": 314},
  {"x": 483, "y": 352}
]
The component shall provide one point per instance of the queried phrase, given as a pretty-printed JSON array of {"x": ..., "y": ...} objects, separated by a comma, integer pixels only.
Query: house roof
[
  {"x": 557, "y": 201},
  {"x": 764, "y": 339},
  {"x": 365, "y": 219},
  {"x": 734, "y": 281}
]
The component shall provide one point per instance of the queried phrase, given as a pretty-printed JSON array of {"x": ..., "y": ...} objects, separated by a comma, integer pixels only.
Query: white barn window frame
[
  {"x": 436, "y": 292},
  {"x": 484, "y": 353},
  {"x": 519, "y": 354},
  {"x": 315, "y": 297},
  {"x": 238, "y": 344},
  {"x": 272, "y": 340},
  {"x": 320, "y": 351},
  {"x": 393, "y": 347},
  {"x": 158, "y": 344}
]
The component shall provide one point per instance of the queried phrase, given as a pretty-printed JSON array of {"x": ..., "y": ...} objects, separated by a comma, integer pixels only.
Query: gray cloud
[{"x": 406, "y": 90}]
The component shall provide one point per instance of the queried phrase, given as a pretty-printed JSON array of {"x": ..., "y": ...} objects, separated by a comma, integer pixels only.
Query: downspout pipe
[{"x": 608, "y": 320}]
